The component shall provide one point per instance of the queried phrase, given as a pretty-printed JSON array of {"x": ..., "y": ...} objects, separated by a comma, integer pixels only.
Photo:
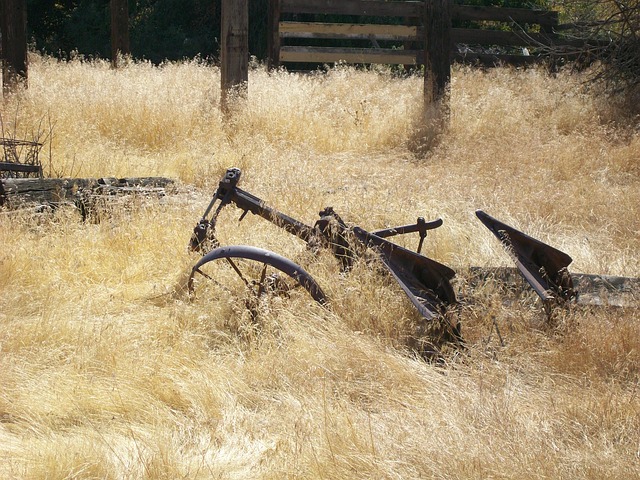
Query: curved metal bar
[{"x": 268, "y": 257}]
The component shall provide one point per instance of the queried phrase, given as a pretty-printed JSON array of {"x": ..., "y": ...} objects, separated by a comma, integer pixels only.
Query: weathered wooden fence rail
[
  {"x": 297, "y": 26},
  {"x": 520, "y": 27},
  {"x": 410, "y": 13}
]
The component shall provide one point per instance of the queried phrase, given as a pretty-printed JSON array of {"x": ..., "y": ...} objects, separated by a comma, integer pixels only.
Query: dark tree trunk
[
  {"x": 119, "y": 30},
  {"x": 14, "y": 42}
]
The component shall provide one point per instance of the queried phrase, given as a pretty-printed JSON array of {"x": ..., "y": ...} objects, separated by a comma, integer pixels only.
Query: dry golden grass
[{"x": 107, "y": 374}]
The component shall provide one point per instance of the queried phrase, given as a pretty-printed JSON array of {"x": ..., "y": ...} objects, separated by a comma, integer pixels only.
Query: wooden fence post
[
  {"x": 273, "y": 36},
  {"x": 234, "y": 49},
  {"x": 14, "y": 43},
  {"x": 437, "y": 58},
  {"x": 119, "y": 30}
]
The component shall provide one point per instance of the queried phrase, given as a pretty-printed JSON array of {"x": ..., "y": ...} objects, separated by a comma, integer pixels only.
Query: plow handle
[{"x": 420, "y": 226}]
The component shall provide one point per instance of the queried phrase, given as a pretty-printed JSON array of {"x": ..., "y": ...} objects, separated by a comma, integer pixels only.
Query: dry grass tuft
[{"x": 109, "y": 371}]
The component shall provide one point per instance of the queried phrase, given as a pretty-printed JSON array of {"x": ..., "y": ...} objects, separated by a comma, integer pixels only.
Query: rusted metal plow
[
  {"x": 545, "y": 269},
  {"x": 426, "y": 282}
]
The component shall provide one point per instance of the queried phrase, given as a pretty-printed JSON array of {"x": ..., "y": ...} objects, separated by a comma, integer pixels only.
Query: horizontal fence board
[
  {"x": 19, "y": 167},
  {"x": 581, "y": 25},
  {"x": 350, "y": 31},
  {"x": 410, "y": 10},
  {"x": 499, "y": 37},
  {"x": 354, "y": 7},
  {"x": 492, "y": 60},
  {"x": 545, "y": 18},
  {"x": 350, "y": 55}
]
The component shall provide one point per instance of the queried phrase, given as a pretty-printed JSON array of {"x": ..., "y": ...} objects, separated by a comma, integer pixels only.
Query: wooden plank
[
  {"x": 19, "y": 167},
  {"x": 350, "y": 31},
  {"x": 503, "y": 14},
  {"x": 493, "y": 60},
  {"x": 607, "y": 290},
  {"x": 21, "y": 191},
  {"x": 593, "y": 289},
  {"x": 500, "y": 37},
  {"x": 349, "y": 55},
  {"x": 354, "y": 7}
]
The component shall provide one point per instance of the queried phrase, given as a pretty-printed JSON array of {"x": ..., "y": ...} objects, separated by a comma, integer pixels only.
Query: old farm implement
[
  {"x": 19, "y": 158},
  {"x": 426, "y": 282}
]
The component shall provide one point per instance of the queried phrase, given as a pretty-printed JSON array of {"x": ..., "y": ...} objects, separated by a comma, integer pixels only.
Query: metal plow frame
[{"x": 426, "y": 282}]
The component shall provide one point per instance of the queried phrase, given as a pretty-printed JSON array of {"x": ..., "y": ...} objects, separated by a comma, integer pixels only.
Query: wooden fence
[
  {"x": 518, "y": 27},
  {"x": 302, "y": 31},
  {"x": 414, "y": 32}
]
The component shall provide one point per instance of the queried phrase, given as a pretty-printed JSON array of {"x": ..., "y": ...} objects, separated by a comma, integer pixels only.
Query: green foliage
[
  {"x": 62, "y": 26},
  {"x": 159, "y": 29},
  {"x": 173, "y": 29}
]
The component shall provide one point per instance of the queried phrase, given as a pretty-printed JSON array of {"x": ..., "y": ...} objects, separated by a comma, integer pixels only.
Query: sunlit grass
[{"x": 109, "y": 371}]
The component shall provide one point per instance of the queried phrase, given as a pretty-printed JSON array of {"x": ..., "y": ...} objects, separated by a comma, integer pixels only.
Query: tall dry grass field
[{"x": 107, "y": 372}]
